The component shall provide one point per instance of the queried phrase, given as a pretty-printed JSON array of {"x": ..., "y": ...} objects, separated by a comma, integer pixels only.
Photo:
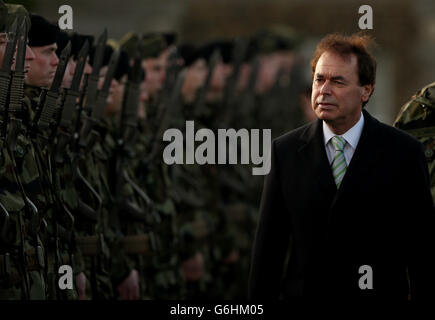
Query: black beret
[
  {"x": 42, "y": 32},
  {"x": 153, "y": 44},
  {"x": 77, "y": 42},
  {"x": 170, "y": 38},
  {"x": 3, "y": 16},
  {"x": 62, "y": 41},
  {"x": 108, "y": 50},
  {"x": 123, "y": 66},
  {"x": 225, "y": 48},
  {"x": 188, "y": 53}
]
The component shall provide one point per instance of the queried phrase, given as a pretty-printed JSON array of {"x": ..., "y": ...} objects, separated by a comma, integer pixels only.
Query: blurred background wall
[{"x": 404, "y": 30}]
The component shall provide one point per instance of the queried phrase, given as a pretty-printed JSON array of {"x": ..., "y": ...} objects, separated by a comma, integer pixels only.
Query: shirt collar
[{"x": 351, "y": 136}]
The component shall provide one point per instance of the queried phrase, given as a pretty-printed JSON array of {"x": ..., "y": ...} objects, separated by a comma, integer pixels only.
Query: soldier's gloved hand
[
  {"x": 81, "y": 285},
  {"x": 193, "y": 268},
  {"x": 129, "y": 288}
]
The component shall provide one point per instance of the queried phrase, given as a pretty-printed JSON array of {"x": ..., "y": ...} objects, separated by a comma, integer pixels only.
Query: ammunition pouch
[
  {"x": 86, "y": 133},
  {"x": 34, "y": 259},
  {"x": 89, "y": 245},
  {"x": 4, "y": 224},
  {"x": 62, "y": 142},
  {"x": 200, "y": 229},
  {"x": 135, "y": 213},
  {"x": 100, "y": 104},
  {"x": 4, "y": 87},
  {"x": 64, "y": 234},
  {"x": 13, "y": 131},
  {"x": 87, "y": 212},
  {"x": 48, "y": 111},
  {"x": 92, "y": 245},
  {"x": 9, "y": 276},
  {"x": 32, "y": 227},
  {"x": 137, "y": 244},
  {"x": 67, "y": 259},
  {"x": 5, "y": 265}
]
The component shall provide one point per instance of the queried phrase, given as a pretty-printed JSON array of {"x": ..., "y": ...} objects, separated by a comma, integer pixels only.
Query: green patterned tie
[{"x": 339, "y": 164}]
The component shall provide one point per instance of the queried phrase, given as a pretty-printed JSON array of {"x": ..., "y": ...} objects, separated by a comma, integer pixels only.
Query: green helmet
[
  {"x": 418, "y": 115},
  {"x": 128, "y": 43},
  {"x": 276, "y": 38},
  {"x": 17, "y": 11},
  {"x": 153, "y": 45}
]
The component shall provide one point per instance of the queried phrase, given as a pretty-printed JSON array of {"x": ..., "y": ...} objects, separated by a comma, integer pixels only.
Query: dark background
[{"x": 404, "y": 30}]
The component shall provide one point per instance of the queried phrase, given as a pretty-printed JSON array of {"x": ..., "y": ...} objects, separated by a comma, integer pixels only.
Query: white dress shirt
[{"x": 351, "y": 136}]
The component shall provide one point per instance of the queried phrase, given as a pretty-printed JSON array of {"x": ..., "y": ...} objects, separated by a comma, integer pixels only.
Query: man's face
[
  {"x": 268, "y": 71},
  {"x": 219, "y": 77},
  {"x": 69, "y": 73},
  {"x": 28, "y": 58},
  {"x": 337, "y": 96},
  {"x": 195, "y": 77},
  {"x": 114, "y": 105},
  {"x": 155, "y": 70},
  {"x": 3, "y": 42},
  {"x": 244, "y": 76},
  {"x": 43, "y": 67}
]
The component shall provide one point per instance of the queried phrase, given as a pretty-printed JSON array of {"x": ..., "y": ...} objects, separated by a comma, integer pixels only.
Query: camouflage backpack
[{"x": 417, "y": 117}]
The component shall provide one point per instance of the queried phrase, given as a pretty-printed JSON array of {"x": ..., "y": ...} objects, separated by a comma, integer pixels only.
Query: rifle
[
  {"x": 4, "y": 225},
  {"x": 44, "y": 130},
  {"x": 50, "y": 106},
  {"x": 201, "y": 93},
  {"x": 248, "y": 100},
  {"x": 125, "y": 151},
  {"x": 5, "y": 76},
  {"x": 11, "y": 110},
  {"x": 17, "y": 89},
  {"x": 171, "y": 100},
  {"x": 66, "y": 114},
  {"x": 85, "y": 145},
  {"x": 85, "y": 138},
  {"x": 239, "y": 54},
  {"x": 171, "y": 76}
]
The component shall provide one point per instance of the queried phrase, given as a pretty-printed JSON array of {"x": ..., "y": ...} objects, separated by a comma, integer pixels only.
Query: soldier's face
[
  {"x": 69, "y": 73},
  {"x": 245, "y": 73},
  {"x": 195, "y": 78},
  {"x": 337, "y": 96},
  {"x": 115, "y": 104},
  {"x": 155, "y": 70},
  {"x": 268, "y": 70},
  {"x": 3, "y": 42},
  {"x": 43, "y": 67},
  {"x": 30, "y": 56},
  {"x": 219, "y": 76},
  {"x": 27, "y": 59}
]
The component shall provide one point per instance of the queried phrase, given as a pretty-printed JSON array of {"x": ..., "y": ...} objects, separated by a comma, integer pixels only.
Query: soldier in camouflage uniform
[
  {"x": 57, "y": 238},
  {"x": 19, "y": 158},
  {"x": 417, "y": 117},
  {"x": 135, "y": 217},
  {"x": 153, "y": 176}
]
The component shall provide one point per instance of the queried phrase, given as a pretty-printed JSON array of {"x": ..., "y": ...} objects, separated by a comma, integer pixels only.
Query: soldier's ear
[{"x": 366, "y": 91}]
